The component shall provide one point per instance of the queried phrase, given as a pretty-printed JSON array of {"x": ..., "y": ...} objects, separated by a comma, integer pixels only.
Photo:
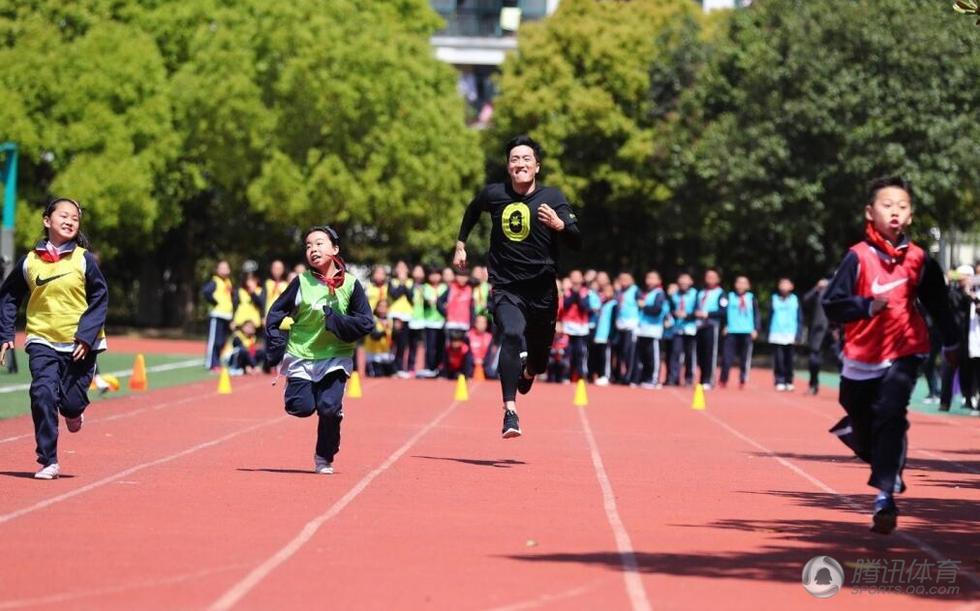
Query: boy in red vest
[{"x": 873, "y": 294}]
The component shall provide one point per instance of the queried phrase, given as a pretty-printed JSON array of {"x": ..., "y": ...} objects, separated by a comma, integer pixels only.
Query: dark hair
[
  {"x": 887, "y": 181},
  {"x": 327, "y": 229},
  {"x": 524, "y": 140},
  {"x": 80, "y": 238}
]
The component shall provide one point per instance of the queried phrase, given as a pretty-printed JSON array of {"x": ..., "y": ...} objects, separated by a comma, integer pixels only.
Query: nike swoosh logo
[
  {"x": 878, "y": 289},
  {"x": 42, "y": 281}
]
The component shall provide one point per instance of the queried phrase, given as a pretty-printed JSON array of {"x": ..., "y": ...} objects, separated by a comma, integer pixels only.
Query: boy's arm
[
  {"x": 799, "y": 323},
  {"x": 654, "y": 308},
  {"x": 12, "y": 292},
  {"x": 207, "y": 291},
  {"x": 258, "y": 298},
  {"x": 356, "y": 323},
  {"x": 722, "y": 312},
  {"x": 571, "y": 235},
  {"x": 97, "y": 295},
  {"x": 275, "y": 339},
  {"x": 442, "y": 302},
  {"x": 933, "y": 295},
  {"x": 839, "y": 301},
  {"x": 756, "y": 316}
]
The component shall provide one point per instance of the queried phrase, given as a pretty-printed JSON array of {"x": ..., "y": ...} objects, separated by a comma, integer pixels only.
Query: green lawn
[
  {"x": 829, "y": 382},
  {"x": 16, "y": 402}
]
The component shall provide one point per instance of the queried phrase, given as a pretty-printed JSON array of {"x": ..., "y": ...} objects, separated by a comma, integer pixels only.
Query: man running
[{"x": 527, "y": 221}]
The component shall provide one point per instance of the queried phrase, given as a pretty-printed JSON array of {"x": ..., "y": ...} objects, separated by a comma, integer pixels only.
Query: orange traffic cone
[
  {"x": 138, "y": 381},
  {"x": 478, "y": 374}
]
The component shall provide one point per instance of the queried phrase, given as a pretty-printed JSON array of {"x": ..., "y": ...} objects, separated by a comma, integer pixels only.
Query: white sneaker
[
  {"x": 649, "y": 386},
  {"x": 781, "y": 388},
  {"x": 75, "y": 424},
  {"x": 706, "y": 386},
  {"x": 603, "y": 381},
  {"x": 49, "y": 472},
  {"x": 790, "y": 388},
  {"x": 321, "y": 466},
  {"x": 403, "y": 375}
]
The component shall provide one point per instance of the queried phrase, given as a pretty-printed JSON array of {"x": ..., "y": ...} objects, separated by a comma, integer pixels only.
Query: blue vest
[
  {"x": 653, "y": 325},
  {"x": 603, "y": 326},
  {"x": 712, "y": 299},
  {"x": 628, "y": 315},
  {"x": 741, "y": 321},
  {"x": 689, "y": 301},
  {"x": 784, "y": 326}
]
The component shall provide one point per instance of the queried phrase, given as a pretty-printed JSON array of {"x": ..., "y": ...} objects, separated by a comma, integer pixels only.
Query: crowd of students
[{"x": 434, "y": 322}]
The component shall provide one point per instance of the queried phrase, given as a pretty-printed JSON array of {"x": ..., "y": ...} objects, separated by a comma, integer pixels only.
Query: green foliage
[
  {"x": 745, "y": 138},
  {"x": 802, "y": 103},
  {"x": 223, "y": 127}
]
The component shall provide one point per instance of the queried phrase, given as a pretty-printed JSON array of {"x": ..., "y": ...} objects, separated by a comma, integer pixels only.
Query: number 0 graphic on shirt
[{"x": 516, "y": 221}]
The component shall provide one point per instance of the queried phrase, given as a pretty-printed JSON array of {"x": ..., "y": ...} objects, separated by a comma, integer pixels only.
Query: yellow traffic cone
[
  {"x": 354, "y": 386},
  {"x": 581, "y": 397},
  {"x": 138, "y": 381},
  {"x": 462, "y": 393},
  {"x": 224, "y": 382},
  {"x": 698, "y": 402}
]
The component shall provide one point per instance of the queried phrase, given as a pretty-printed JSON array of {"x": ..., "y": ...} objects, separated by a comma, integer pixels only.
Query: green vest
[
  {"x": 431, "y": 293},
  {"x": 308, "y": 337}
]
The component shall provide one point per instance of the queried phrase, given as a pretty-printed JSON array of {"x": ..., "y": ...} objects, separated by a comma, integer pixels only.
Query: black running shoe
[
  {"x": 524, "y": 383},
  {"x": 885, "y": 517},
  {"x": 512, "y": 424}
]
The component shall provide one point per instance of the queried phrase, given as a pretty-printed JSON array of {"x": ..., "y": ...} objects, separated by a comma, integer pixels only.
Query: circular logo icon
[
  {"x": 516, "y": 221},
  {"x": 823, "y": 576}
]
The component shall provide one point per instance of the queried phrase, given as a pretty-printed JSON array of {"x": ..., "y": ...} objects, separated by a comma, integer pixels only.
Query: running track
[{"x": 184, "y": 499}]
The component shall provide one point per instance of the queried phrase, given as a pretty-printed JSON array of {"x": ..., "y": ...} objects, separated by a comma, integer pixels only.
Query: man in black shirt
[{"x": 526, "y": 223}]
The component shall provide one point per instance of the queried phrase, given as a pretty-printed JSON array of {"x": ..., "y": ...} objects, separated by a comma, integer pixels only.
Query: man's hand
[
  {"x": 3, "y": 350},
  {"x": 81, "y": 350},
  {"x": 549, "y": 217},
  {"x": 755, "y": 335},
  {"x": 459, "y": 258}
]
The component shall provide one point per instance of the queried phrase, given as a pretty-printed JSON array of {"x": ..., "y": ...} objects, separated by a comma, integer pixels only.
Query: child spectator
[
  {"x": 400, "y": 312},
  {"x": 627, "y": 320},
  {"x": 653, "y": 310},
  {"x": 251, "y": 306},
  {"x": 220, "y": 293},
  {"x": 576, "y": 310},
  {"x": 742, "y": 325},
  {"x": 558, "y": 364},
  {"x": 685, "y": 331},
  {"x": 378, "y": 355},
  {"x": 435, "y": 340},
  {"x": 785, "y": 331},
  {"x": 459, "y": 358},
  {"x": 604, "y": 329},
  {"x": 710, "y": 314},
  {"x": 245, "y": 356},
  {"x": 481, "y": 346},
  {"x": 457, "y": 304}
]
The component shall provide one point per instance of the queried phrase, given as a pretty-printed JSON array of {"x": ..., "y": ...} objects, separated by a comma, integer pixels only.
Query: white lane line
[
  {"x": 124, "y": 373},
  {"x": 241, "y": 589},
  {"x": 631, "y": 570},
  {"x": 854, "y": 506},
  {"x": 135, "y": 412},
  {"x": 136, "y": 585},
  {"x": 547, "y": 599},
  {"x": 127, "y": 472}
]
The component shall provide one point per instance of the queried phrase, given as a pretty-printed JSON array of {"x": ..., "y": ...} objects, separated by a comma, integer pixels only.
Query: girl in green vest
[{"x": 330, "y": 312}]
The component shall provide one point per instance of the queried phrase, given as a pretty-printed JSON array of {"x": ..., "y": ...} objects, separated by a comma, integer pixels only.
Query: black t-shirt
[{"x": 521, "y": 246}]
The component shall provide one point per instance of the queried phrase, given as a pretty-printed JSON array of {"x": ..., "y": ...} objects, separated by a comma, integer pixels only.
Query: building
[{"x": 477, "y": 37}]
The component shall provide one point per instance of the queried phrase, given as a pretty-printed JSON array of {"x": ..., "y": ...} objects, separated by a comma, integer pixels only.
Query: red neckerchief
[
  {"x": 742, "y": 306},
  {"x": 897, "y": 253},
  {"x": 337, "y": 280},
  {"x": 49, "y": 253}
]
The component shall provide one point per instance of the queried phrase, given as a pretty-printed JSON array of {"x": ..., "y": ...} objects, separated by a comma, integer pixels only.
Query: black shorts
[{"x": 537, "y": 302}]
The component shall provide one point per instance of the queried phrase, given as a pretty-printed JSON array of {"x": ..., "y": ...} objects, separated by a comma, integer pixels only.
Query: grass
[
  {"x": 831, "y": 382},
  {"x": 17, "y": 402}
]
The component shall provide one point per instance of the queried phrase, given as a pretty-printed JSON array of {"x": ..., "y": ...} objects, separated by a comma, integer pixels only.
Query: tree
[
  {"x": 802, "y": 103},
  {"x": 222, "y": 128}
]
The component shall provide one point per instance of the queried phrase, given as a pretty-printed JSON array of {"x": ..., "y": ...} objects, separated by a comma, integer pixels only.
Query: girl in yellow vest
[
  {"x": 251, "y": 306},
  {"x": 275, "y": 284},
  {"x": 224, "y": 301},
  {"x": 330, "y": 313},
  {"x": 67, "y": 299}
]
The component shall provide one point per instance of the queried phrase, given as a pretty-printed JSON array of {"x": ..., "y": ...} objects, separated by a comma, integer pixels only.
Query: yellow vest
[
  {"x": 272, "y": 291},
  {"x": 382, "y": 345},
  {"x": 222, "y": 295},
  {"x": 376, "y": 293},
  {"x": 247, "y": 310},
  {"x": 402, "y": 307},
  {"x": 57, "y": 298}
]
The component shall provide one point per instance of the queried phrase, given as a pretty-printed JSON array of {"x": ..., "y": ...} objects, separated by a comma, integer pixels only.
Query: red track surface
[{"x": 182, "y": 498}]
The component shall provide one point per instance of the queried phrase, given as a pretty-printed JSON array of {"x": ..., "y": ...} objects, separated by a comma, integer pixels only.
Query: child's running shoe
[
  {"x": 523, "y": 382},
  {"x": 49, "y": 472},
  {"x": 885, "y": 517},
  {"x": 512, "y": 424},
  {"x": 75, "y": 424},
  {"x": 322, "y": 466}
]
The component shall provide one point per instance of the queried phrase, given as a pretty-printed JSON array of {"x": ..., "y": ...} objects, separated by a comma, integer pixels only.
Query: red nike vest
[{"x": 898, "y": 330}]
